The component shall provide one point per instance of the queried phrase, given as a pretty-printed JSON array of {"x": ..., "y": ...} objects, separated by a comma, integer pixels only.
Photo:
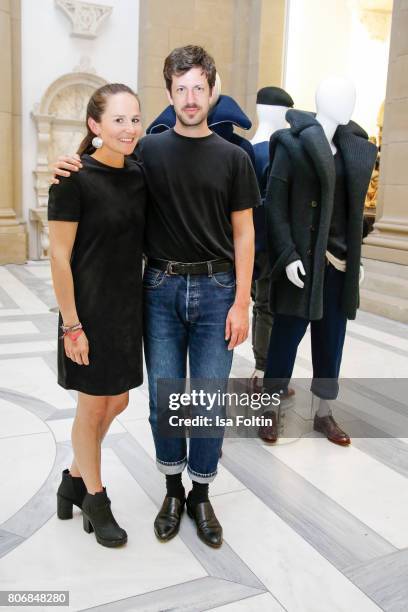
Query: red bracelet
[
  {"x": 75, "y": 335},
  {"x": 68, "y": 329}
]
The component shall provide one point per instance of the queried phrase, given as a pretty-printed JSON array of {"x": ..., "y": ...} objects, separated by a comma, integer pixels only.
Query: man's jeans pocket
[
  {"x": 153, "y": 278},
  {"x": 224, "y": 279}
]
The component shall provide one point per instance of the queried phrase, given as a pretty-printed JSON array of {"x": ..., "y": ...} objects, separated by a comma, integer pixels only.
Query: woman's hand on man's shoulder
[{"x": 64, "y": 165}]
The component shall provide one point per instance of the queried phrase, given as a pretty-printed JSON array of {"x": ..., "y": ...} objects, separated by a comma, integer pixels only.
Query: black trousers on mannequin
[
  {"x": 327, "y": 337},
  {"x": 262, "y": 318}
]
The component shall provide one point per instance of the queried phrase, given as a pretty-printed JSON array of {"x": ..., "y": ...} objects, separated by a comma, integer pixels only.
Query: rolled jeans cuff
[
  {"x": 173, "y": 467},
  {"x": 325, "y": 388},
  {"x": 203, "y": 478}
]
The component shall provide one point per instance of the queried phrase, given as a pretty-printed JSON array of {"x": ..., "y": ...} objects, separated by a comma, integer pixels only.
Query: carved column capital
[{"x": 86, "y": 18}]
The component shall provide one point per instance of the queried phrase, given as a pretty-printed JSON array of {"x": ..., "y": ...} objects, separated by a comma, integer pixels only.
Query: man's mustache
[{"x": 191, "y": 106}]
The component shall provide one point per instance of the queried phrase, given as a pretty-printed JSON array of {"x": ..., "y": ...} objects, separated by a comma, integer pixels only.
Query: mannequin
[
  {"x": 270, "y": 119},
  {"x": 216, "y": 91},
  {"x": 320, "y": 171},
  {"x": 335, "y": 102},
  {"x": 272, "y": 104}
]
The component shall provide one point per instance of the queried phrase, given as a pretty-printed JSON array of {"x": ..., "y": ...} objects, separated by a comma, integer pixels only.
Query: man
[{"x": 199, "y": 223}]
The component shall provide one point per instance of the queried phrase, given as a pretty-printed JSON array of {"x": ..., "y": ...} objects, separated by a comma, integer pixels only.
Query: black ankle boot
[
  {"x": 98, "y": 517},
  {"x": 72, "y": 490}
]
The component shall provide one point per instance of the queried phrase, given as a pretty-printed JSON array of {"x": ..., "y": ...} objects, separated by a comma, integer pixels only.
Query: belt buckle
[{"x": 170, "y": 268}]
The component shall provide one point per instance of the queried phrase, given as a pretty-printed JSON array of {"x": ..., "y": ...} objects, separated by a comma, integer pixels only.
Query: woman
[{"x": 96, "y": 222}]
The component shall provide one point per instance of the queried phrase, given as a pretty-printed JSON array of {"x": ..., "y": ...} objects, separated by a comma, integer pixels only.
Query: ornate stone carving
[
  {"x": 377, "y": 24},
  {"x": 85, "y": 65},
  {"x": 86, "y": 18},
  {"x": 375, "y": 15},
  {"x": 60, "y": 122},
  {"x": 70, "y": 103},
  {"x": 39, "y": 217}
]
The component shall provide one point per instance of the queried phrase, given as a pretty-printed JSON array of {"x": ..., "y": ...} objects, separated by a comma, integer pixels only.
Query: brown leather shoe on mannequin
[
  {"x": 269, "y": 433},
  {"x": 328, "y": 426},
  {"x": 256, "y": 385}
]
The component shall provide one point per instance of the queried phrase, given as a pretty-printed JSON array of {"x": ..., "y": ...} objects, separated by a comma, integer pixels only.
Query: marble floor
[{"x": 308, "y": 526}]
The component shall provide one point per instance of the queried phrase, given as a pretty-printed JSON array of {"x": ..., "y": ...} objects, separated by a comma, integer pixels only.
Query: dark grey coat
[{"x": 299, "y": 204}]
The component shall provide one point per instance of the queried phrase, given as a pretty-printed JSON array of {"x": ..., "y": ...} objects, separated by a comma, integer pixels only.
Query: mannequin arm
[
  {"x": 361, "y": 278},
  {"x": 292, "y": 272}
]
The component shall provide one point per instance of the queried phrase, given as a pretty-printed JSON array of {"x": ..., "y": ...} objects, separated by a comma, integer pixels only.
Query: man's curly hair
[{"x": 182, "y": 59}]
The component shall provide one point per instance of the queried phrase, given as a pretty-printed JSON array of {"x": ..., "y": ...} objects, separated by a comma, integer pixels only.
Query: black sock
[
  {"x": 199, "y": 493},
  {"x": 174, "y": 486}
]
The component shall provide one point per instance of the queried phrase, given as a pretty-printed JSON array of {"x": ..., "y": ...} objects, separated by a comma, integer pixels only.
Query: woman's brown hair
[{"x": 96, "y": 108}]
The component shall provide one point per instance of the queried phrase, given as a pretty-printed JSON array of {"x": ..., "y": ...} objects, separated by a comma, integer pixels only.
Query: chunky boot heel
[
  {"x": 96, "y": 508},
  {"x": 87, "y": 524},
  {"x": 64, "y": 508},
  {"x": 71, "y": 491}
]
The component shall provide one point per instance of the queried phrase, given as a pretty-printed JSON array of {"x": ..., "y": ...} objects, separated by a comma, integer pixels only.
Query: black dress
[{"x": 109, "y": 205}]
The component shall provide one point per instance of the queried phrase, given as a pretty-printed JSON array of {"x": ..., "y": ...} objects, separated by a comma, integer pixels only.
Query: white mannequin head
[
  {"x": 272, "y": 115},
  {"x": 272, "y": 104},
  {"x": 336, "y": 99},
  {"x": 216, "y": 91}
]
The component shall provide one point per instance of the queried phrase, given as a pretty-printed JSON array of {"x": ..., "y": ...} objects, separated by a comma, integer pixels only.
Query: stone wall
[
  {"x": 389, "y": 241},
  {"x": 244, "y": 37},
  {"x": 12, "y": 230}
]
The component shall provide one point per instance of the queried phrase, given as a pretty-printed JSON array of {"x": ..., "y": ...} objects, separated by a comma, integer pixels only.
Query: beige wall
[
  {"x": 270, "y": 53},
  {"x": 389, "y": 241},
  {"x": 358, "y": 49},
  {"x": 12, "y": 231},
  {"x": 272, "y": 43},
  {"x": 245, "y": 38},
  {"x": 16, "y": 107}
]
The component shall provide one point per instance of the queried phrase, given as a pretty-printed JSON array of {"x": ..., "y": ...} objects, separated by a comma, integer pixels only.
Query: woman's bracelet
[
  {"x": 75, "y": 335},
  {"x": 68, "y": 329}
]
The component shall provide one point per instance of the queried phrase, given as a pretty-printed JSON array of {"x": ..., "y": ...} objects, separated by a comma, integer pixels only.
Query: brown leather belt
[{"x": 199, "y": 267}]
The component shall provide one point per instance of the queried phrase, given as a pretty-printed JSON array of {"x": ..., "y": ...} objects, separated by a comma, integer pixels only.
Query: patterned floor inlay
[{"x": 308, "y": 527}]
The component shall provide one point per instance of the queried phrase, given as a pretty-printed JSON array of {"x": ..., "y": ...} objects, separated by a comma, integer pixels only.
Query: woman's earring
[{"x": 97, "y": 142}]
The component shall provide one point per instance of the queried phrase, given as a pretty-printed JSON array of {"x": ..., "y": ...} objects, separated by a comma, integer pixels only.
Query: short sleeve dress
[{"x": 109, "y": 205}]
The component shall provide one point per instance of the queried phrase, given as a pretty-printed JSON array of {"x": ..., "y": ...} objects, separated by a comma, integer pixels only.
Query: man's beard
[{"x": 200, "y": 118}]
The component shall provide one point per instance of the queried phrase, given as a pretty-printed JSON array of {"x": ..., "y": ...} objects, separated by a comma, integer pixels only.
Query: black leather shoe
[
  {"x": 209, "y": 529},
  {"x": 98, "y": 517},
  {"x": 167, "y": 522},
  {"x": 71, "y": 491}
]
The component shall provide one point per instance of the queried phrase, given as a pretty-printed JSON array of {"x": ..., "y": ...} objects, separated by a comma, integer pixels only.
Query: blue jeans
[
  {"x": 184, "y": 316},
  {"x": 327, "y": 336}
]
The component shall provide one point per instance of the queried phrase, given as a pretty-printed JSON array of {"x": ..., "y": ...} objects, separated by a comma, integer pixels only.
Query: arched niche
[{"x": 60, "y": 122}]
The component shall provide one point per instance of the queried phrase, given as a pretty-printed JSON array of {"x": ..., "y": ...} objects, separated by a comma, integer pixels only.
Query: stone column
[
  {"x": 389, "y": 240},
  {"x": 240, "y": 34},
  {"x": 12, "y": 231},
  {"x": 385, "y": 250},
  {"x": 220, "y": 26},
  {"x": 271, "y": 52}
]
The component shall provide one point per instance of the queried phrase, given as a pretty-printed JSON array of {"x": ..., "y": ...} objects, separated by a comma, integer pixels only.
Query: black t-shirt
[
  {"x": 194, "y": 184},
  {"x": 337, "y": 243}
]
